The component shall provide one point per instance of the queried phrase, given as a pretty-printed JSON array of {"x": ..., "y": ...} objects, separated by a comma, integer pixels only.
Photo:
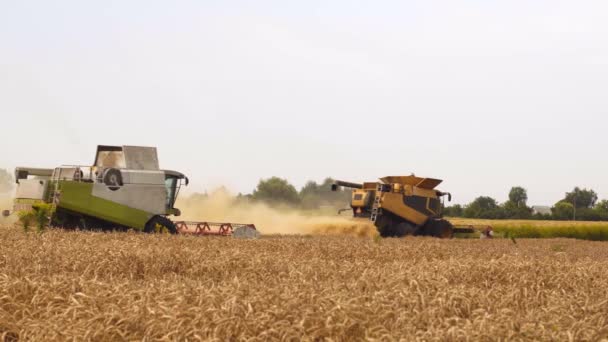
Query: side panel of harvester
[
  {"x": 78, "y": 197},
  {"x": 408, "y": 210},
  {"x": 413, "y": 198}
]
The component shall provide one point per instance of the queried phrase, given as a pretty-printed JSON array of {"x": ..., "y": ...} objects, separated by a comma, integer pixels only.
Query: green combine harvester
[{"x": 124, "y": 188}]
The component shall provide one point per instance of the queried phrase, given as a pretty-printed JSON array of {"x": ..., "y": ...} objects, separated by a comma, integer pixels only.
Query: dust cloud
[{"x": 221, "y": 206}]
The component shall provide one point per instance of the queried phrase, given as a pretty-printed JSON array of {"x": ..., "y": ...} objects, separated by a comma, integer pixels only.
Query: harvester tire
[
  {"x": 404, "y": 229},
  {"x": 62, "y": 219},
  {"x": 160, "y": 224},
  {"x": 442, "y": 229},
  {"x": 390, "y": 228},
  {"x": 112, "y": 178},
  {"x": 383, "y": 224}
]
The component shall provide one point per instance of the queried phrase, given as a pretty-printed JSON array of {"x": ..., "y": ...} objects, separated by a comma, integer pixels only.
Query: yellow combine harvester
[{"x": 402, "y": 205}]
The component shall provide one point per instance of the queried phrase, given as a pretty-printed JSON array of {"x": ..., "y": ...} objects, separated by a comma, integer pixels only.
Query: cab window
[{"x": 171, "y": 187}]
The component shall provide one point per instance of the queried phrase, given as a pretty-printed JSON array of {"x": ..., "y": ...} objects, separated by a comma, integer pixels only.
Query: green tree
[
  {"x": 309, "y": 195},
  {"x": 314, "y": 195},
  {"x": 453, "y": 211},
  {"x": 563, "y": 211},
  {"x": 602, "y": 206},
  {"x": 6, "y": 181},
  {"x": 601, "y": 210},
  {"x": 518, "y": 196},
  {"x": 484, "y": 207},
  {"x": 514, "y": 211},
  {"x": 276, "y": 190},
  {"x": 588, "y": 214},
  {"x": 581, "y": 198},
  {"x": 310, "y": 188},
  {"x": 516, "y": 207}
]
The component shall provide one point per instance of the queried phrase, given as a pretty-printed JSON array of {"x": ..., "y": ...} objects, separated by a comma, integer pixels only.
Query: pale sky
[{"x": 482, "y": 94}]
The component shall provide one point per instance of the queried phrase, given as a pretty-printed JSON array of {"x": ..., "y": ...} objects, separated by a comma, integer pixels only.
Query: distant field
[
  {"x": 65, "y": 285},
  {"x": 597, "y": 231}
]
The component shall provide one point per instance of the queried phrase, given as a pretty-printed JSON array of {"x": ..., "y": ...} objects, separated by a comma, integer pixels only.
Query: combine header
[
  {"x": 210, "y": 228},
  {"x": 124, "y": 188}
]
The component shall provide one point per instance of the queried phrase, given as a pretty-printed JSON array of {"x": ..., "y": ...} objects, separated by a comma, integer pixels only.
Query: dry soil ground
[{"x": 127, "y": 286}]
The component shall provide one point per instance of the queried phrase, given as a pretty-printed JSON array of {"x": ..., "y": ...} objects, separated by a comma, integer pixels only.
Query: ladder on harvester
[{"x": 376, "y": 205}]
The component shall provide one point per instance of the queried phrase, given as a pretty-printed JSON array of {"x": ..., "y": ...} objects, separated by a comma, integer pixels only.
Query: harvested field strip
[
  {"x": 595, "y": 231},
  {"x": 125, "y": 286}
]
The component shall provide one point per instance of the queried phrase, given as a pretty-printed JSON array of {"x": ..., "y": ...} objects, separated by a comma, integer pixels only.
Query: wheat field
[
  {"x": 63, "y": 285},
  {"x": 596, "y": 231},
  {"x": 528, "y": 223}
]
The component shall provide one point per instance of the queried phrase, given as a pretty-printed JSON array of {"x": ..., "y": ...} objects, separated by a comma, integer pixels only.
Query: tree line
[
  {"x": 578, "y": 204},
  {"x": 277, "y": 192}
]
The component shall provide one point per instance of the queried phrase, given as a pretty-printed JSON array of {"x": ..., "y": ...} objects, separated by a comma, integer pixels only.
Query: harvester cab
[
  {"x": 124, "y": 188},
  {"x": 124, "y": 166},
  {"x": 401, "y": 205}
]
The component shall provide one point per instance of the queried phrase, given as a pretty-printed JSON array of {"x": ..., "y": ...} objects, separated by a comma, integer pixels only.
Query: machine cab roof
[{"x": 127, "y": 157}]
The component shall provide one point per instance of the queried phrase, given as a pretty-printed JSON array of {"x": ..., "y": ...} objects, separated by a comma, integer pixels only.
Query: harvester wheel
[
  {"x": 383, "y": 224},
  {"x": 404, "y": 229},
  {"x": 439, "y": 228},
  {"x": 160, "y": 224},
  {"x": 391, "y": 227},
  {"x": 113, "y": 179}
]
